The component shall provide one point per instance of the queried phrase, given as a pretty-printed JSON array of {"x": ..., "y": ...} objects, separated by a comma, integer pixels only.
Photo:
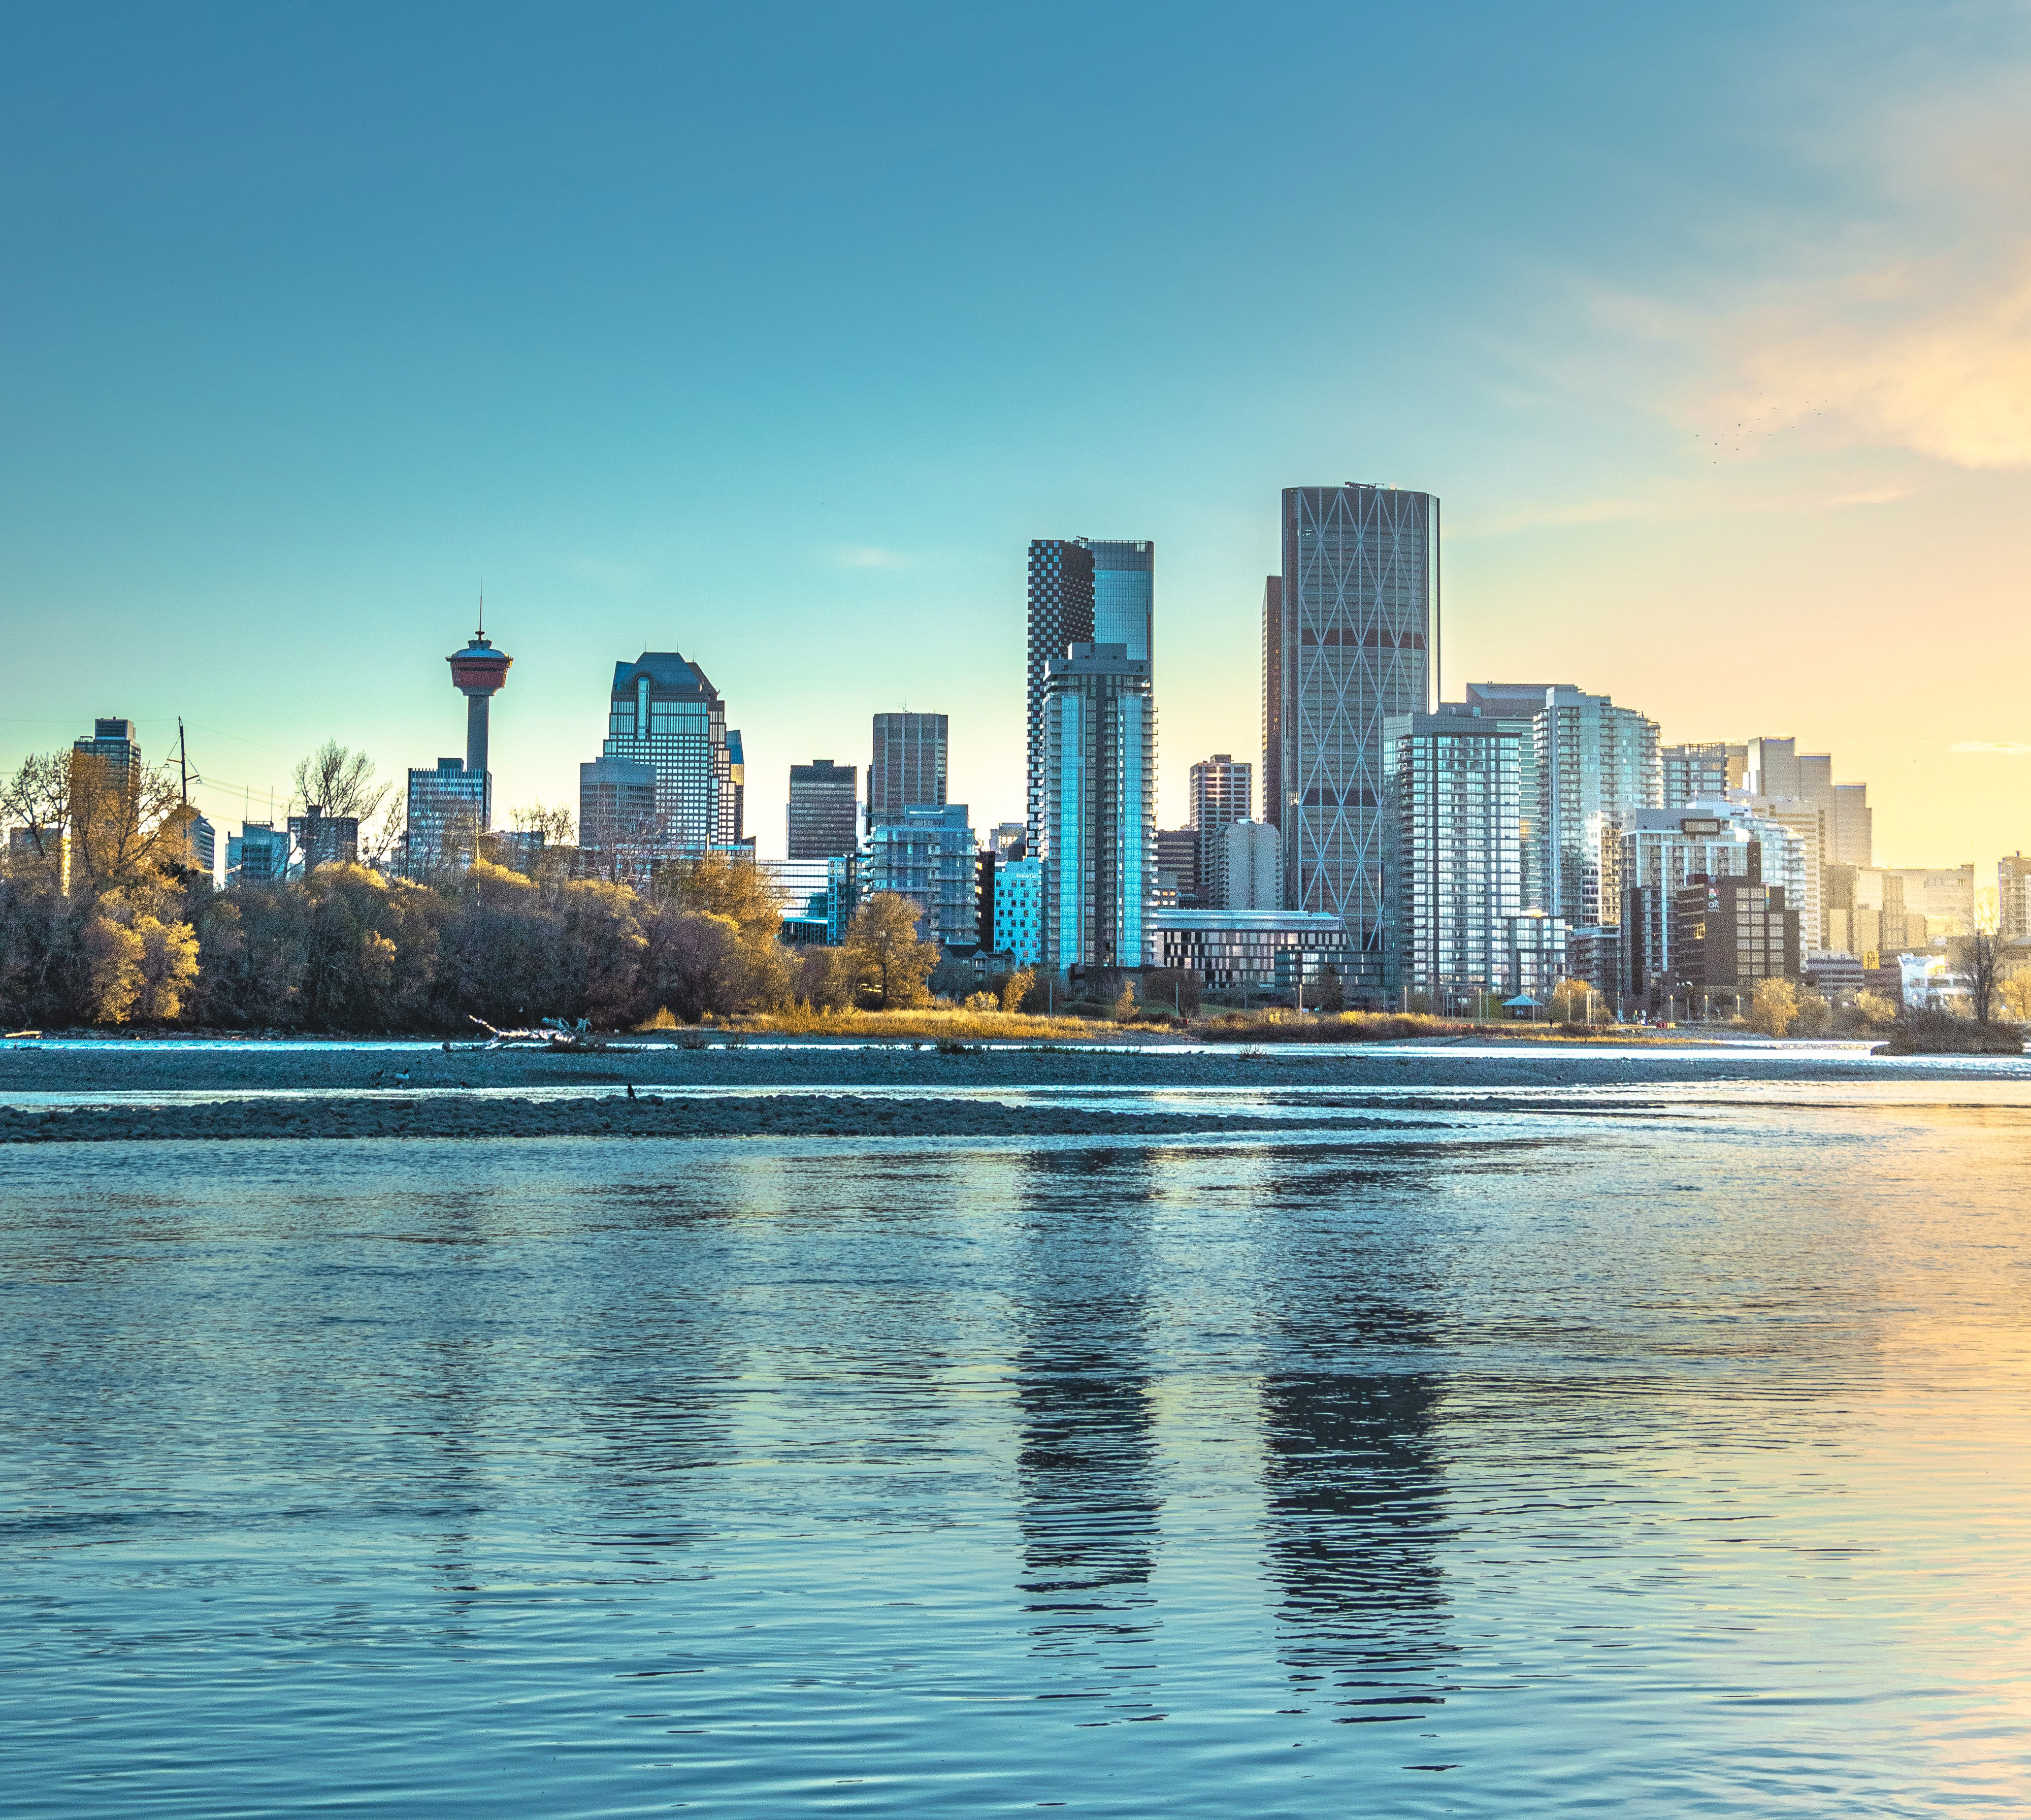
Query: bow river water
[{"x": 1503, "y": 1462}]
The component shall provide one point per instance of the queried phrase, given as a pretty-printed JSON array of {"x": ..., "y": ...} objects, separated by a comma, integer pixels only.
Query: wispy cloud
[
  {"x": 1934, "y": 357},
  {"x": 2006, "y": 748},
  {"x": 865, "y": 556}
]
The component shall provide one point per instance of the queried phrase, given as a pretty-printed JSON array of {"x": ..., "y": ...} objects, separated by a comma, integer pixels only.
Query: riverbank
[{"x": 296, "y": 1088}]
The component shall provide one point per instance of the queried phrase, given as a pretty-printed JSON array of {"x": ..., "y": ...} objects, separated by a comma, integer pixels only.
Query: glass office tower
[
  {"x": 665, "y": 714},
  {"x": 1123, "y": 582},
  {"x": 1359, "y": 613}
]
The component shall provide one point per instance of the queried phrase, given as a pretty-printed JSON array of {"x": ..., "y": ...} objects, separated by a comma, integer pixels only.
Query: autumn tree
[
  {"x": 893, "y": 964},
  {"x": 2016, "y": 994},
  {"x": 1773, "y": 1007}
]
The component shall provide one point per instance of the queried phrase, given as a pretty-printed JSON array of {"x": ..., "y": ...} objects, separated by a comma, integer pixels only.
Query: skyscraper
[
  {"x": 1663, "y": 851},
  {"x": 114, "y": 743},
  {"x": 1359, "y": 632},
  {"x": 908, "y": 770},
  {"x": 1100, "y": 799},
  {"x": 1272, "y": 700},
  {"x": 1694, "y": 774},
  {"x": 664, "y": 713},
  {"x": 1060, "y": 615},
  {"x": 1852, "y": 836},
  {"x": 446, "y": 807},
  {"x": 1222, "y": 793},
  {"x": 824, "y": 813},
  {"x": 2013, "y": 891},
  {"x": 1124, "y": 594},
  {"x": 1596, "y": 766}
]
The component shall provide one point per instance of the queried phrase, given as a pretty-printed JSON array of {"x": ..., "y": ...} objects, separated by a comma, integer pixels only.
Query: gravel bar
[{"x": 649, "y": 1116}]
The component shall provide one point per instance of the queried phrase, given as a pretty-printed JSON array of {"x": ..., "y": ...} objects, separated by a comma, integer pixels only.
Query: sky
[{"x": 771, "y": 336}]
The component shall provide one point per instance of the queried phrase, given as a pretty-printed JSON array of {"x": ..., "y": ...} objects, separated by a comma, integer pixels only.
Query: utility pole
[{"x": 183, "y": 760}]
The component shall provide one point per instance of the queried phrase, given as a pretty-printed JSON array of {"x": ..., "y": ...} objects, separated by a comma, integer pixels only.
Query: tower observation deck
[{"x": 478, "y": 672}]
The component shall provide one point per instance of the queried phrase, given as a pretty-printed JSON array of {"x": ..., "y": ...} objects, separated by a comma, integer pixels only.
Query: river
[{"x": 1666, "y": 1462}]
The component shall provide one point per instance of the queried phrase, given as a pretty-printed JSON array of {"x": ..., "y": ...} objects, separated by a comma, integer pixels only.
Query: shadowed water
[{"x": 1667, "y": 1463}]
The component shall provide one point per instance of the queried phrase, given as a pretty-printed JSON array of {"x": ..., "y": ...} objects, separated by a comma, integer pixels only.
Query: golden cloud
[{"x": 1932, "y": 357}]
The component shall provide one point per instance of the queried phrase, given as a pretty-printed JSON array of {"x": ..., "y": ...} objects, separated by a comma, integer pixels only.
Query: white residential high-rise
[{"x": 1100, "y": 803}]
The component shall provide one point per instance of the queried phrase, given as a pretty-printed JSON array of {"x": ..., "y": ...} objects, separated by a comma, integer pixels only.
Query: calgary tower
[{"x": 478, "y": 672}]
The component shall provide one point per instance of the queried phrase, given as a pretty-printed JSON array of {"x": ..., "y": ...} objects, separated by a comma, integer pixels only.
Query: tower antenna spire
[{"x": 482, "y": 631}]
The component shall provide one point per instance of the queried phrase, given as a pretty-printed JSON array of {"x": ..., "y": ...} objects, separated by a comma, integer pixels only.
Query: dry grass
[
  {"x": 1337, "y": 1027},
  {"x": 959, "y": 1024},
  {"x": 1395, "y": 1027},
  {"x": 935, "y": 1024}
]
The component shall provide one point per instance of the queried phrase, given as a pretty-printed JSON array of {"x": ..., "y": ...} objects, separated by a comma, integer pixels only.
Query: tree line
[{"x": 106, "y": 918}]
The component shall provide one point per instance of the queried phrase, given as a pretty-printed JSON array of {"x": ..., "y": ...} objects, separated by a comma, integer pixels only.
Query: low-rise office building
[
  {"x": 1019, "y": 911},
  {"x": 1262, "y": 949},
  {"x": 259, "y": 854},
  {"x": 1730, "y": 934},
  {"x": 325, "y": 840}
]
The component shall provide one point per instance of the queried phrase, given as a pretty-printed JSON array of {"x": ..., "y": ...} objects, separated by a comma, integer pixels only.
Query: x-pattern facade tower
[{"x": 1360, "y": 607}]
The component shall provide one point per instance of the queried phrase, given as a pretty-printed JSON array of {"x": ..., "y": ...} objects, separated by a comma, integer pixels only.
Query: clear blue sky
[{"x": 773, "y": 337}]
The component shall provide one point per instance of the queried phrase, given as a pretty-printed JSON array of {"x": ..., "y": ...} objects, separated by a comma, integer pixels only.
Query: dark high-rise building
[
  {"x": 908, "y": 770},
  {"x": 116, "y": 743},
  {"x": 1222, "y": 793},
  {"x": 1272, "y": 701},
  {"x": 825, "y": 809},
  {"x": 1060, "y": 615},
  {"x": 325, "y": 840},
  {"x": 1360, "y": 619},
  {"x": 1729, "y": 935},
  {"x": 478, "y": 672},
  {"x": 1178, "y": 866}
]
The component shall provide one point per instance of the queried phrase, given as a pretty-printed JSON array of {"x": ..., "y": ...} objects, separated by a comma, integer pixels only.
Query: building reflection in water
[
  {"x": 1353, "y": 1487},
  {"x": 1086, "y": 1464}
]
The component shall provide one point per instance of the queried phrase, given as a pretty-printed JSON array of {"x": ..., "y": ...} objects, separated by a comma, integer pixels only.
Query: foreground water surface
[{"x": 1669, "y": 1461}]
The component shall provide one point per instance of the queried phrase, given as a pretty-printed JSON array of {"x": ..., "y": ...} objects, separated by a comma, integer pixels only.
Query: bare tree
[
  {"x": 558, "y": 825},
  {"x": 1981, "y": 961},
  {"x": 340, "y": 780},
  {"x": 36, "y": 799}
]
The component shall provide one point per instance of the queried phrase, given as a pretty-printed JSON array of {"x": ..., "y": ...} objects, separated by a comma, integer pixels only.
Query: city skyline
[
  {"x": 1689, "y": 410},
  {"x": 218, "y": 799}
]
